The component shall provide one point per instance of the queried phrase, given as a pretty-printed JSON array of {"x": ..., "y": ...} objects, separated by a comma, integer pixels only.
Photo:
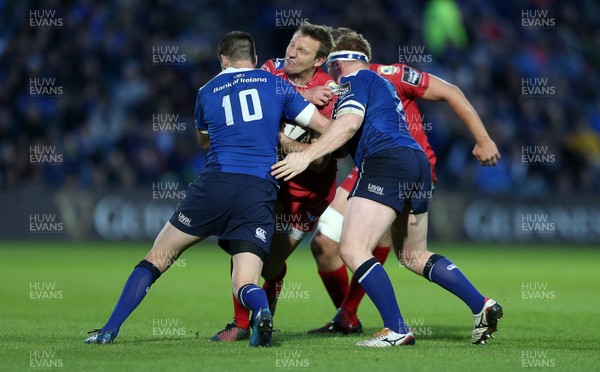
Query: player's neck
[
  {"x": 240, "y": 64},
  {"x": 303, "y": 78},
  {"x": 352, "y": 68}
]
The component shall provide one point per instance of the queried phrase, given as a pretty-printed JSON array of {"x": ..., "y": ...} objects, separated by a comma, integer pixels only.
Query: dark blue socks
[
  {"x": 253, "y": 297},
  {"x": 136, "y": 287},
  {"x": 376, "y": 283},
  {"x": 444, "y": 273}
]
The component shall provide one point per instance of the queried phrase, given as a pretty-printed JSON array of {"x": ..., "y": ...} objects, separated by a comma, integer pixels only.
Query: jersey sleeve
[
  {"x": 199, "y": 114},
  {"x": 355, "y": 96},
  {"x": 327, "y": 111},
  {"x": 296, "y": 108},
  {"x": 269, "y": 66},
  {"x": 413, "y": 82}
]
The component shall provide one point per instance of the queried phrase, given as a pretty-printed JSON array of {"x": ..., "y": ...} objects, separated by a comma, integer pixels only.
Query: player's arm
[
  {"x": 336, "y": 135},
  {"x": 320, "y": 96},
  {"x": 485, "y": 149},
  {"x": 203, "y": 139},
  {"x": 318, "y": 122},
  {"x": 201, "y": 128},
  {"x": 309, "y": 117},
  {"x": 289, "y": 145}
]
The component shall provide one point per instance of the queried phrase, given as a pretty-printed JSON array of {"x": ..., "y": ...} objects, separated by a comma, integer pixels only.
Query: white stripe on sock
[{"x": 368, "y": 271}]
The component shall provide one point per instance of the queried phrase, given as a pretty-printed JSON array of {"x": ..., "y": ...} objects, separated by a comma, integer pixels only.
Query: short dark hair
[
  {"x": 354, "y": 42},
  {"x": 237, "y": 46},
  {"x": 341, "y": 31},
  {"x": 320, "y": 34}
]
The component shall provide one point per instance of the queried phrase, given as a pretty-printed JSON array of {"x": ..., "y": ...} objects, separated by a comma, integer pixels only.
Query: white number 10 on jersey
[{"x": 244, "y": 96}]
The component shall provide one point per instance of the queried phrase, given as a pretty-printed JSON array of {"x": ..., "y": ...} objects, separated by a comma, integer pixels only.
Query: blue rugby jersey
[
  {"x": 241, "y": 109},
  {"x": 369, "y": 95}
]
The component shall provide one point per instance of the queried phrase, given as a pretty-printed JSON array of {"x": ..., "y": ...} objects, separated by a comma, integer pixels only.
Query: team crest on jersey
[
  {"x": 411, "y": 76},
  {"x": 333, "y": 85},
  {"x": 278, "y": 62},
  {"x": 387, "y": 70},
  {"x": 340, "y": 90}
]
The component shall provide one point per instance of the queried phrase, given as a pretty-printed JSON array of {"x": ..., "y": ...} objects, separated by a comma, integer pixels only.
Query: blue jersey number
[{"x": 244, "y": 96}]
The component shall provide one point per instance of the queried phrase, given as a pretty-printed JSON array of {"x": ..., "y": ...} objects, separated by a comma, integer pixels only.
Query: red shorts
[
  {"x": 303, "y": 199},
  {"x": 349, "y": 182}
]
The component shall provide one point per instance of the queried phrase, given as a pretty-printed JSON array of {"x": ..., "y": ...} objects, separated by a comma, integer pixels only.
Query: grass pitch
[{"x": 53, "y": 293}]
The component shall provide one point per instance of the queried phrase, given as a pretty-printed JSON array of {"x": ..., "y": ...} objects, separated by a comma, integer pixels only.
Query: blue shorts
[
  {"x": 238, "y": 208},
  {"x": 394, "y": 177}
]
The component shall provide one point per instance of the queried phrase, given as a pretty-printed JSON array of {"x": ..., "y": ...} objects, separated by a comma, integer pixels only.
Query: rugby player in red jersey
[
  {"x": 410, "y": 85},
  {"x": 301, "y": 201}
]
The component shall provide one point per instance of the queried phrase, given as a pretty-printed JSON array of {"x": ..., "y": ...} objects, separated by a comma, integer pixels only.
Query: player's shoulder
[
  {"x": 385, "y": 70},
  {"x": 230, "y": 76},
  {"x": 217, "y": 80},
  {"x": 402, "y": 75},
  {"x": 322, "y": 78},
  {"x": 273, "y": 65},
  {"x": 368, "y": 75},
  {"x": 254, "y": 73}
]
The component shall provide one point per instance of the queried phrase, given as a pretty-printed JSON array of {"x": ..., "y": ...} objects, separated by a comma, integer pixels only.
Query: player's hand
[
  {"x": 288, "y": 145},
  {"x": 486, "y": 152},
  {"x": 293, "y": 164},
  {"x": 319, "y": 96},
  {"x": 285, "y": 141}
]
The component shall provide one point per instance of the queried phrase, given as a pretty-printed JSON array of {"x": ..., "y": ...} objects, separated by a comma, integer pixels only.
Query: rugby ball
[{"x": 297, "y": 132}]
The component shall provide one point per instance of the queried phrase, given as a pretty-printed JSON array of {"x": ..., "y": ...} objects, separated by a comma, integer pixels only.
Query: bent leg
[
  {"x": 169, "y": 244},
  {"x": 365, "y": 223},
  {"x": 410, "y": 235}
]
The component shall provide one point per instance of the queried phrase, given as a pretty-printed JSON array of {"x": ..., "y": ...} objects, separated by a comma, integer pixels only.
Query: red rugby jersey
[
  {"x": 410, "y": 84},
  {"x": 309, "y": 181}
]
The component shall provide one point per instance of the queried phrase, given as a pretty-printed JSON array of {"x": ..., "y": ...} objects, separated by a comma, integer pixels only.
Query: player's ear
[
  {"x": 255, "y": 60},
  {"x": 224, "y": 62},
  {"x": 320, "y": 61}
]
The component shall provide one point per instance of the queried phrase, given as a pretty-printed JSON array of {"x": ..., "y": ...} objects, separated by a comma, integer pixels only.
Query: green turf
[{"x": 169, "y": 330}]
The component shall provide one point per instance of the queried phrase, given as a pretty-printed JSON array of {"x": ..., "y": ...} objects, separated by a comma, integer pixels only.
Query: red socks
[
  {"x": 242, "y": 315},
  {"x": 336, "y": 284}
]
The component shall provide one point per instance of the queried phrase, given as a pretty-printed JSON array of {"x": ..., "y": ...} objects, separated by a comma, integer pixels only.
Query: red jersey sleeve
[
  {"x": 269, "y": 66},
  {"x": 412, "y": 81}
]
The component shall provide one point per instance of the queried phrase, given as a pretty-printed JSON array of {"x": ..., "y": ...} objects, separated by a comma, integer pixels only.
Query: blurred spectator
[{"x": 112, "y": 68}]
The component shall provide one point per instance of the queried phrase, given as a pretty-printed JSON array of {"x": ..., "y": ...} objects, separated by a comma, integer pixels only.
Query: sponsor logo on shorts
[
  {"x": 375, "y": 189},
  {"x": 184, "y": 220},
  {"x": 261, "y": 234}
]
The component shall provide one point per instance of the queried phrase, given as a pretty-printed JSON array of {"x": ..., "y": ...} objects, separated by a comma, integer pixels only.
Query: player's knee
[
  {"x": 321, "y": 245},
  {"x": 346, "y": 254},
  {"x": 316, "y": 247}
]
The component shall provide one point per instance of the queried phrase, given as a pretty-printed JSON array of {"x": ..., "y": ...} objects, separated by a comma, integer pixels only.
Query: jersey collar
[{"x": 230, "y": 70}]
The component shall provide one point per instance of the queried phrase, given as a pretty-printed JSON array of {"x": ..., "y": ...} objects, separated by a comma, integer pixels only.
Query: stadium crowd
[{"x": 120, "y": 81}]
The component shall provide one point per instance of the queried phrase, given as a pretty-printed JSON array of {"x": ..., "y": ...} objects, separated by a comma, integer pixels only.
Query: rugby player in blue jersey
[
  {"x": 238, "y": 115},
  {"x": 394, "y": 181}
]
